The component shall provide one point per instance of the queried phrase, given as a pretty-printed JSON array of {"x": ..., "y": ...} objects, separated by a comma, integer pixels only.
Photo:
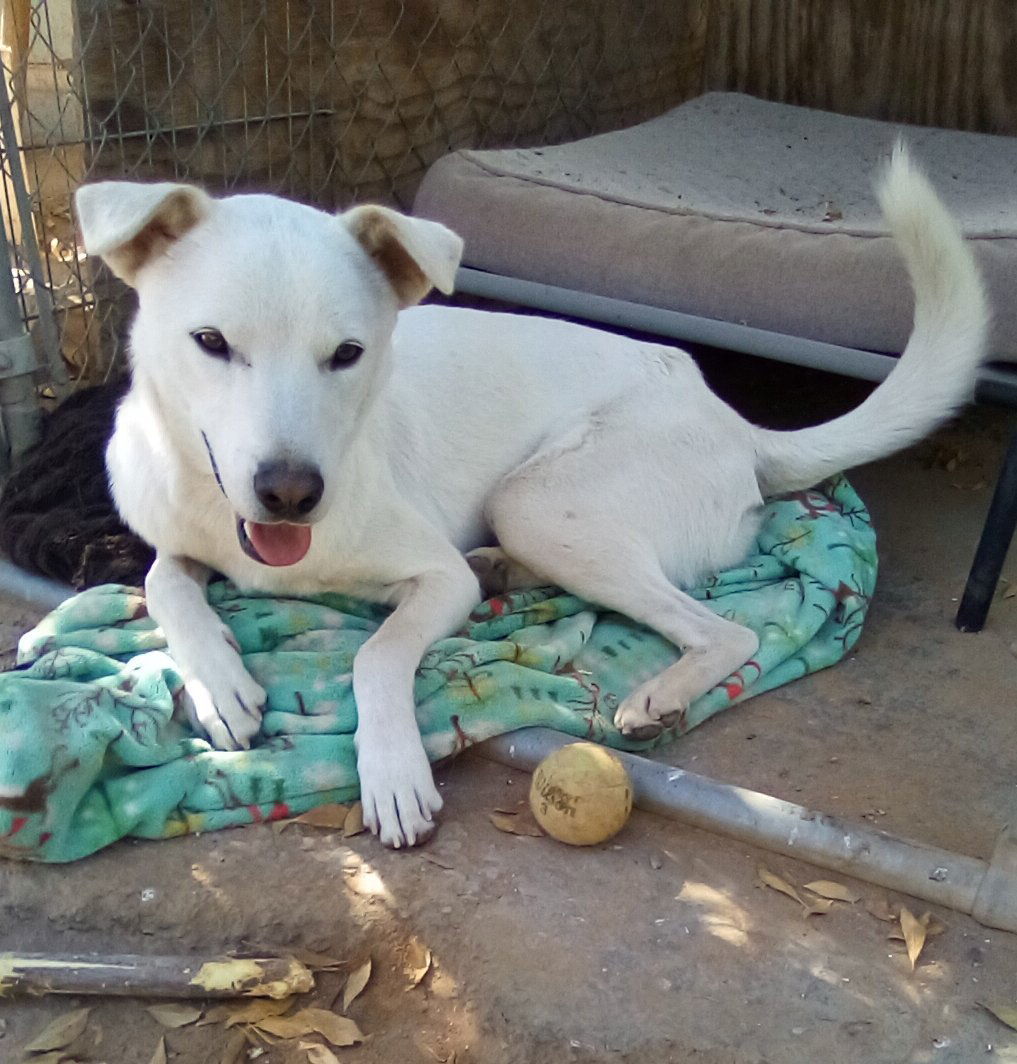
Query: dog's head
[{"x": 264, "y": 329}]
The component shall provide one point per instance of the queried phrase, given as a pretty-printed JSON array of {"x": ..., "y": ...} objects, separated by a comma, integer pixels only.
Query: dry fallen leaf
[
  {"x": 1004, "y": 1013},
  {"x": 174, "y": 1015},
  {"x": 881, "y": 909},
  {"x": 354, "y": 822},
  {"x": 356, "y": 983},
  {"x": 159, "y": 1056},
  {"x": 339, "y": 1030},
  {"x": 256, "y": 1037},
  {"x": 417, "y": 961},
  {"x": 932, "y": 927},
  {"x": 914, "y": 934},
  {"x": 1011, "y": 592},
  {"x": 324, "y": 816},
  {"x": 322, "y": 962},
  {"x": 60, "y": 1033},
  {"x": 775, "y": 882},
  {"x": 515, "y": 824},
  {"x": 826, "y": 888},
  {"x": 281, "y": 1027},
  {"x": 216, "y": 1015},
  {"x": 257, "y": 1011},
  {"x": 318, "y": 1054},
  {"x": 816, "y": 906}
]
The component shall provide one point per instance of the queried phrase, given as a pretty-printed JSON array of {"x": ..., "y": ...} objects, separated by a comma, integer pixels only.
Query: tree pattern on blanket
[{"x": 94, "y": 736}]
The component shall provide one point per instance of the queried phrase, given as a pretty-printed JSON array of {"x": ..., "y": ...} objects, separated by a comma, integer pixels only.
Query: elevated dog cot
[{"x": 746, "y": 225}]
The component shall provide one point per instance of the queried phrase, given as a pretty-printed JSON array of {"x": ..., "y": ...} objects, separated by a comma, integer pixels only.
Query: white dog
[{"x": 293, "y": 425}]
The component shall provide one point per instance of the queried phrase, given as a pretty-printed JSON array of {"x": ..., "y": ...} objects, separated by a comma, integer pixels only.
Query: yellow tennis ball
[{"x": 581, "y": 794}]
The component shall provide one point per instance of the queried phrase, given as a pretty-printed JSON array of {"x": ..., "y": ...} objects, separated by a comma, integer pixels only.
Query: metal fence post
[
  {"x": 10, "y": 145},
  {"x": 19, "y": 406}
]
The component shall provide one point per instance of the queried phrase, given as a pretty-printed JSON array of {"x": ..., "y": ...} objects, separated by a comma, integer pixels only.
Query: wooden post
[{"x": 136, "y": 975}]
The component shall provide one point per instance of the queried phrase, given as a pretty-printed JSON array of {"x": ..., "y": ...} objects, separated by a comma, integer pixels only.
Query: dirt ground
[{"x": 660, "y": 945}]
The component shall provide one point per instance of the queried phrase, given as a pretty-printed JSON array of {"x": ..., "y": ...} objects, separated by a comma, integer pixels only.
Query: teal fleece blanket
[{"x": 92, "y": 750}]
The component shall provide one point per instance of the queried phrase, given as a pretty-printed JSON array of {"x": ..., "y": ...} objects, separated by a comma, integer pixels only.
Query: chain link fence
[{"x": 327, "y": 101}]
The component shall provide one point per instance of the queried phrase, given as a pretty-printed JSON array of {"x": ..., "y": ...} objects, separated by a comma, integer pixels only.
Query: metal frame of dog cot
[{"x": 996, "y": 383}]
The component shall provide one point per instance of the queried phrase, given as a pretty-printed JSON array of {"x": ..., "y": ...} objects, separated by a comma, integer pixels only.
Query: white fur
[{"x": 600, "y": 463}]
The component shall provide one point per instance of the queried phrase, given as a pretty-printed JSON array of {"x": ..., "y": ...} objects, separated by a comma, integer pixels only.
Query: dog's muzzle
[{"x": 285, "y": 490}]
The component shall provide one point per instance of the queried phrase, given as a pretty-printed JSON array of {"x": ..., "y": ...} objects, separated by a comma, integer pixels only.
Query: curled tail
[{"x": 935, "y": 375}]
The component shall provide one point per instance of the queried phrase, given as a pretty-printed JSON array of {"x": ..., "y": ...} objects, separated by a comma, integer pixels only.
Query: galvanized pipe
[
  {"x": 31, "y": 589},
  {"x": 993, "y": 384},
  {"x": 986, "y": 890}
]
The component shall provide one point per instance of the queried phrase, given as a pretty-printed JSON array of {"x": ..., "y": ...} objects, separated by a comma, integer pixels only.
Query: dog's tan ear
[
  {"x": 128, "y": 223},
  {"x": 416, "y": 255}
]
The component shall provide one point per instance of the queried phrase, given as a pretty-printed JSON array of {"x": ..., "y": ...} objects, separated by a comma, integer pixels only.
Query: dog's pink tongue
[{"x": 280, "y": 544}]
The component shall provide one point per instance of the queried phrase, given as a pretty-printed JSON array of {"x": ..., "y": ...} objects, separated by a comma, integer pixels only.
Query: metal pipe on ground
[
  {"x": 986, "y": 890},
  {"x": 33, "y": 590}
]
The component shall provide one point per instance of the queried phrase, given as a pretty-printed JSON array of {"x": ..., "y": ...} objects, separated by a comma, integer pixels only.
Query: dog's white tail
[{"x": 936, "y": 373}]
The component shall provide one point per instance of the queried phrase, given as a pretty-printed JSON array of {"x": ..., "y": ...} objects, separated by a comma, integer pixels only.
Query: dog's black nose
[{"x": 287, "y": 490}]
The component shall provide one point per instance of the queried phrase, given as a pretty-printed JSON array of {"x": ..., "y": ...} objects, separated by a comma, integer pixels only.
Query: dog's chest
[{"x": 305, "y": 578}]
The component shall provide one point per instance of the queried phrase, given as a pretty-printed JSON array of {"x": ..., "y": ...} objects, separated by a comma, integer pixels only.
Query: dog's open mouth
[{"x": 275, "y": 544}]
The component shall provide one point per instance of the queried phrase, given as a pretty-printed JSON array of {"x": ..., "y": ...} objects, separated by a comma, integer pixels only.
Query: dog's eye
[
  {"x": 346, "y": 354},
  {"x": 212, "y": 342}
]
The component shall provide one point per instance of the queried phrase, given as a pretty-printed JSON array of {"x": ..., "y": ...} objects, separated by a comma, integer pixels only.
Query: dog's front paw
[
  {"x": 647, "y": 712},
  {"x": 398, "y": 794},
  {"x": 223, "y": 700}
]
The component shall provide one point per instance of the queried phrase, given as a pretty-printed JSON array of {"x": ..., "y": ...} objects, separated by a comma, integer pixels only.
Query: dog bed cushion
[
  {"x": 732, "y": 208},
  {"x": 91, "y": 751}
]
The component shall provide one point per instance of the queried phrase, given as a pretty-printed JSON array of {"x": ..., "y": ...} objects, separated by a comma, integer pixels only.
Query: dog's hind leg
[
  {"x": 712, "y": 649},
  {"x": 578, "y": 517},
  {"x": 223, "y": 699},
  {"x": 634, "y": 585}
]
